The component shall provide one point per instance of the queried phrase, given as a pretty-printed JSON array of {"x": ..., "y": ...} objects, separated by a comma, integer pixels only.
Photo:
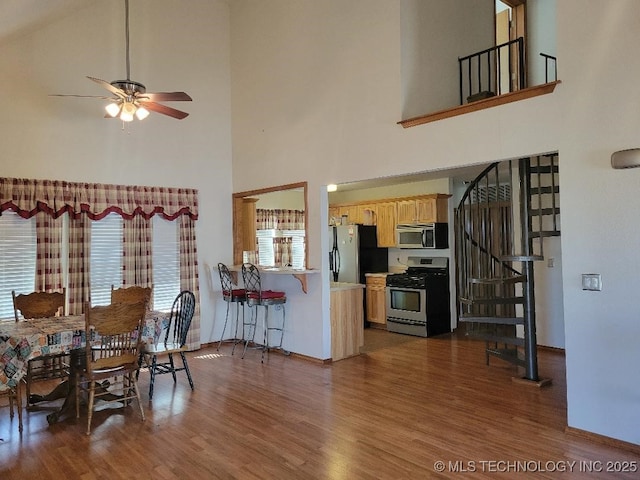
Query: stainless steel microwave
[{"x": 422, "y": 235}]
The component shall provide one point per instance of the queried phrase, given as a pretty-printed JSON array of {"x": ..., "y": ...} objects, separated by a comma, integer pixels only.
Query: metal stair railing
[{"x": 493, "y": 296}]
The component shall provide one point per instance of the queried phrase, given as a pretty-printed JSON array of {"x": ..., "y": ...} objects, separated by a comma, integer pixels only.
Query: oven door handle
[{"x": 404, "y": 321}]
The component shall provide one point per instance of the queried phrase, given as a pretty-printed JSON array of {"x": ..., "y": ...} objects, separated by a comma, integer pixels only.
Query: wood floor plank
[{"x": 390, "y": 413}]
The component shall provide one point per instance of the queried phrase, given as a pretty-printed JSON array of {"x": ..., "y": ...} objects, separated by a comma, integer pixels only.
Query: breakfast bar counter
[{"x": 299, "y": 274}]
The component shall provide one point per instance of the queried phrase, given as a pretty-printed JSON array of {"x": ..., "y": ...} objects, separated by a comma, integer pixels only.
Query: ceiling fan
[{"x": 131, "y": 98}]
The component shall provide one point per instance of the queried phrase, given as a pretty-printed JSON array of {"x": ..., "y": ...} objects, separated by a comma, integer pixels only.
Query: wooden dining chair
[
  {"x": 133, "y": 294},
  {"x": 41, "y": 305},
  {"x": 112, "y": 350},
  {"x": 15, "y": 396},
  {"x": 175, "y": 340}
]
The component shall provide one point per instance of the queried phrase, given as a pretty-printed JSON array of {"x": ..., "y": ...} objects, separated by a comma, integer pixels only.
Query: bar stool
[
  {"x": 231, "y": 295},
  {"x": 256, "y": 297}
]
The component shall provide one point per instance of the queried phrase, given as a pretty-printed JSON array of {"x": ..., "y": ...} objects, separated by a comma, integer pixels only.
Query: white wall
[
  {"x": 316, "y": 97},
  {"x": 292, "y": 199},
  {"x": 541, "y": 38},
  {"x": 172, "y": 48},
  {"x": 434, "y": 34}
]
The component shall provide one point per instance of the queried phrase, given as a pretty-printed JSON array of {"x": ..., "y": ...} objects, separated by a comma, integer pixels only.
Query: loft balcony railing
[
  {"x": 550, "y": 67},
  {"x": 494, "y": 71}
]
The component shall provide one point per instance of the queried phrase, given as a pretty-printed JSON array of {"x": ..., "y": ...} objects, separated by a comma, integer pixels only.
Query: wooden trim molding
[
  {"x": 481, "y": 104},
  {"x": 603, "y": 439}
]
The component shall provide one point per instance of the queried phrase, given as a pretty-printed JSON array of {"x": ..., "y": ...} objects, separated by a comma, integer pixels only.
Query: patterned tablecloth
[{"x": 24, "y": 340}]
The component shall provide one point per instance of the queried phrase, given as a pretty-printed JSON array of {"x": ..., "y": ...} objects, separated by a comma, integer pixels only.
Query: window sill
[{"x": 481, "y": 104}]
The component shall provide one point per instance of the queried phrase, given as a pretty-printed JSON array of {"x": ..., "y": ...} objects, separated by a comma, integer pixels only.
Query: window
[
  {"x": 17, "y": 259},
  {"x": 166, "y": 262},
  {"x": 106, "y": 258}
]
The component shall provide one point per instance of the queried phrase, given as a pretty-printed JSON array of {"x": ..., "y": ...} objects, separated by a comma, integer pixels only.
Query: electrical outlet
[
  {"x": 592, "y": 281},
  {"x": 551, "y": 262}
]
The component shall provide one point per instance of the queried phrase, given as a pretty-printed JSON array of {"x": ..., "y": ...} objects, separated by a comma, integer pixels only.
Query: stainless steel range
[{"x": 418, "y": 300}]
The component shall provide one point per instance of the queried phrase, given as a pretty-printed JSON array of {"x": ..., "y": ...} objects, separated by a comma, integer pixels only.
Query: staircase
[{"x": 501, "y": 222}]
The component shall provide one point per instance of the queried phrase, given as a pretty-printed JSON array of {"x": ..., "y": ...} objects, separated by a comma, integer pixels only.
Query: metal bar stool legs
[
  {"x": 231, "y": 295},
  {"x": 266, "y": 329},
  {"x": 256, "y": 297}
]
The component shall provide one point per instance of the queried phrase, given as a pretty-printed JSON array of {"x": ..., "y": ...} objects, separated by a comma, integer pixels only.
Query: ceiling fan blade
[
  {"x": 159, "y": 108},
  {"x": 166, "y": 97},
  {"x": 108, "y": 86},
  {"x": 81, "y": 96}
]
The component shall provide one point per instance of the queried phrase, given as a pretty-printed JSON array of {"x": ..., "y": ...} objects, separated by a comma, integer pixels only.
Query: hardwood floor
[{"x": 391, "y": 413}]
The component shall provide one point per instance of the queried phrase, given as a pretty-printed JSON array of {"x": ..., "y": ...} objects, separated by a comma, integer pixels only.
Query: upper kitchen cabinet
[
  {"x": 423, "y": 209},
  {"x": 385, "y": 217},
  {"x": 389, "y": 212}
]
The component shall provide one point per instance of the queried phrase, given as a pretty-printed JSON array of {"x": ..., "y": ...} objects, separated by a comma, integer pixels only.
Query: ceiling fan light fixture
[
  {"x": 112, "y": 109},
  {"x": 142, "y": 113},
  {"x": 128, "y": 109}
]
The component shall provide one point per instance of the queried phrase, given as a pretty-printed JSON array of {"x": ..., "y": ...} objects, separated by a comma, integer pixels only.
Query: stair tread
[
  {"x": 521, "y": 258},
  {"x": 543, "y": 169},
  {"x": 499, "y": 280},
  {"x": 498, "y": 300},
  {"x": 536, "y": 212},
  {"x": 546, "y": 233},
  {"x": 470, "y": 318},
  {"x": 545, "y": 190}
]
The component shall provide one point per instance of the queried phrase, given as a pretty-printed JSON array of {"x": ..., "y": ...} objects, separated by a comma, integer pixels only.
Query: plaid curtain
[
  {"x": 49, "y": 248},
  {"x": 279, "y": 219},
  {"x": 136, "y": 259},
  {"x": 96, "y": 200},
  {"x": 93, "y": 201},
  {"x": 189, "y": 275},
  {"x": 78, "y": 290}
]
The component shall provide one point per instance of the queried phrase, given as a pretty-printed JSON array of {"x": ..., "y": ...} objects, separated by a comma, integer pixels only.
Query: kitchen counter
[
  {"x": 347, "y": 319},
  {"x": 300, "y": 275},
  {"x": 335, "y": 286}
]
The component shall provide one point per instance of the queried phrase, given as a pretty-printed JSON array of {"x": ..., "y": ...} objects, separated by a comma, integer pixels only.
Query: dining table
[{"x": 25, "y": 340}]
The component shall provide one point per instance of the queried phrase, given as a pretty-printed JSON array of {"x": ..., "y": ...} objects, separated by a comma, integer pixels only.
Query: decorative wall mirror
[{"x": 271, "y": 224}]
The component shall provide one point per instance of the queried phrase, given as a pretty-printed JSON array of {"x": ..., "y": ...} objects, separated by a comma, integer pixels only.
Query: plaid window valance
[{"x": 28, "y": 197}]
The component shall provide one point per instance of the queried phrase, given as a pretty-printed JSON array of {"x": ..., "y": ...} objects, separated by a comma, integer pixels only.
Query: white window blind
[
  {"x": 105, "y": 258},
  {"x": 266, "y": 251},
  {"x": 17, "y": 259},
  {"x": 297, "y": 248},
  {"x": 166, "y": 262}
]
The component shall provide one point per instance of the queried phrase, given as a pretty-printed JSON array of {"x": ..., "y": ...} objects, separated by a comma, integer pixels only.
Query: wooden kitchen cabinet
[
  {"x": 386, "y": 222},
  {"x": 334, "y": 212},
  {"x": 406, "y": 211},
  {"x": 376, "y": 299},
  {"x": 387, "y": 213},
  {"x": 428, "y": 209},
  {"x": 351, "y": 212}
]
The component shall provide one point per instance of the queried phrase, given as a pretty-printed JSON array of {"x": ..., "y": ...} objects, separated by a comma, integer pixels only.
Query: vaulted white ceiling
[{"x": 21, "y": 16}]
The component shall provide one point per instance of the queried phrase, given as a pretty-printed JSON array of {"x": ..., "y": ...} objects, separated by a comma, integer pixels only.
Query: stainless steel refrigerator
[{"x": 354, "y": 252}]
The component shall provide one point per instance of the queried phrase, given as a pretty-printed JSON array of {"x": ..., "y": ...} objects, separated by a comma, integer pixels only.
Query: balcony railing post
[{"x": 521, "y": 62}]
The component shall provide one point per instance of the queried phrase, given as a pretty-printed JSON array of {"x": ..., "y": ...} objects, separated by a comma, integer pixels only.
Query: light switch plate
[{"x": 592, "y": 281}]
